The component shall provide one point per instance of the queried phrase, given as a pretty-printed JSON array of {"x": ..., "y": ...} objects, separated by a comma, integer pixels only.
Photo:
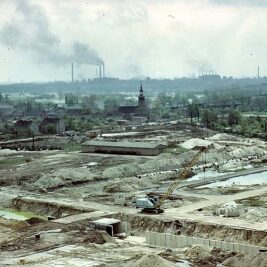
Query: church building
[{"x": 141, "y": 110}]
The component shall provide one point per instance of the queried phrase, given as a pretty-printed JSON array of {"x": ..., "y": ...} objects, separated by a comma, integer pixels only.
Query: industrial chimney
[
  {"x": 100, "y": 72},
  {"x": 104, "y": 70},
  {"x": 72, "y": 72}
]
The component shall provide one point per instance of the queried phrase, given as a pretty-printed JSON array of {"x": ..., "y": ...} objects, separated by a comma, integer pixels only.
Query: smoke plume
[{"x": 29, "y": 31}]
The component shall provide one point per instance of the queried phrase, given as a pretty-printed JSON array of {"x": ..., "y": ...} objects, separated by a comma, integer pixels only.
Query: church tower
[{"x": 141, "y": 98}]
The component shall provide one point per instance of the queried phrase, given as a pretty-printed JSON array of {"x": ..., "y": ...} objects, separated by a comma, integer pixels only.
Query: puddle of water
[
  {"x": 250, "y": 179},
  {"x": 203, "y": 175}
]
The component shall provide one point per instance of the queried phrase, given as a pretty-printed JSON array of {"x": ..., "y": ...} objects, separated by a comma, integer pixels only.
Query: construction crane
[{"x": 155, "y": 202}]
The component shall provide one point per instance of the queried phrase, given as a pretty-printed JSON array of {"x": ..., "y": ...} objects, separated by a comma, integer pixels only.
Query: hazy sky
[{"x": 136, "y": 38}]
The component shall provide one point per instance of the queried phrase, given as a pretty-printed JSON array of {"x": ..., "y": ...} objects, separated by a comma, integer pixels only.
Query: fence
[{"x": 178, "y": 241}]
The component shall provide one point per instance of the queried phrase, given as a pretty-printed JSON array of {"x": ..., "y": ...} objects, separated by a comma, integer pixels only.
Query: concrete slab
[
  {"x": 153, "y": 239},
  {"x": 212, "y": 243},
  {"x": 174, "y": 241},
  {"x": 162, "y": 240},
  {"x": 83, "y": 216},
  {"x": 168, "y": 241},
  {"x": 148, "y": 237},
  {"x": 236, "y": 247},
  {"x": 218, "y": 244},
  {"x": 158, "y": 240},
  {"x": 224, "y": 245},
  {"x": 206, "y": 242},
  {"x": 182, "y": 241},
  {"x": 230, "y": 246}
]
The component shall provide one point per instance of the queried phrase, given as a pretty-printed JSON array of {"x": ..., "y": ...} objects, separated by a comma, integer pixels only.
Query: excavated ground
[{"x": 90, "y": 182}]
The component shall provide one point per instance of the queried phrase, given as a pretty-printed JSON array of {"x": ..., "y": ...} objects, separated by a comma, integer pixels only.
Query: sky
[{"x": 133, "y": 38}]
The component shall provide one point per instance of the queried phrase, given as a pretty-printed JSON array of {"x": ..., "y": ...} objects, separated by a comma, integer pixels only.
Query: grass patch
[
  {"x": 176, "y": 150},
  {"x": 72, "y": 147},
  {"x": 11, "y": 162},
  {"x": 26, "y": 214}
]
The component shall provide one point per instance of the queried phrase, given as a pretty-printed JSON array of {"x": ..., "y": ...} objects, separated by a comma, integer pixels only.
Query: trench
[
  {"x": 139, "y": 223},
  {"x": 46, "y": 208}
]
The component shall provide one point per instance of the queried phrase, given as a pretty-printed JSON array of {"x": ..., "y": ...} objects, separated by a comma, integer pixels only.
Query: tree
[
  {"x": 234, "y": 118},
  {"x": 71, "y": 99},
  {"x": 209, "y": 118},
  {"x": 193, "y": 111}
]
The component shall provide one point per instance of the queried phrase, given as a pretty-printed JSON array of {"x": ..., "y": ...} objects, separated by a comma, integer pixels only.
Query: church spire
[
  {"x": 141, "y": 98},
  {"x": 141, "y": 90}
]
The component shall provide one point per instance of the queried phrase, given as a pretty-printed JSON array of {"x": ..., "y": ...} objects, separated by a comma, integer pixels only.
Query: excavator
[{"x": 153, "y": 203}]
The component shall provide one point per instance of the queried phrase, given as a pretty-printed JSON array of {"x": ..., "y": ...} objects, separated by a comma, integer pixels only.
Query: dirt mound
[
  {"x": 248, "y": 151},
  {"x": 152, "y": 261},
  {"x": 198, "y": 251},
  {"x": 259, "y": 260},
  {"x": 61, "y": 177},
  {"x": 93, "y": 236},
  {"x": 254, "y": 214},
  {"x": 194, "y": 142},
  {"x": 223, "y": 137},
  {"x": 163, "y": 162},
  {"x": 117, "y": 187},
  {"x": 34, "y": 220}
]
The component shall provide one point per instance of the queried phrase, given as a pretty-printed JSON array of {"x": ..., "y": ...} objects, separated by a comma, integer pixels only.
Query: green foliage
[
  {"x": 4, "y": 163},
  {"x": 51, "y": 129},
  {"x": 70, "y": 147},
  {"x": 234, "y": 118},
  {"x": 209, "y": 118},
  {"x": 71, "y": 99}
]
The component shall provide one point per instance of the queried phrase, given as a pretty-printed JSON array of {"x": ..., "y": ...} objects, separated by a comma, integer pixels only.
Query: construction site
[{"x": 200, "y": 202}]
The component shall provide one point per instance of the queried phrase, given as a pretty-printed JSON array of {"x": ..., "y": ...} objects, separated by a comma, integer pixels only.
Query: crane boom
[
  {"x": 152, "y": 203},
  {"x": 182, "y": 176}
]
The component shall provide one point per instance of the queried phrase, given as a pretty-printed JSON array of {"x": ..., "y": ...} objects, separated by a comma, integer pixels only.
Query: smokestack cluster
[{"x": 41, "y": 41}]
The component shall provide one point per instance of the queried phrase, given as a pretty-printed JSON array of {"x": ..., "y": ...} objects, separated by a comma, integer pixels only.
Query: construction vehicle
[{"x": 153, "y": 203}]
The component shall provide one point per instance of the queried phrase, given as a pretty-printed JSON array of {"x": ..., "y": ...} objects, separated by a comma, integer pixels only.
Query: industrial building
[{"x": 128, "y": 148}]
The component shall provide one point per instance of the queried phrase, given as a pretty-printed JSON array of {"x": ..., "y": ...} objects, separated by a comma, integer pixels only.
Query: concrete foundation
[{"x": 179, "y": 241}]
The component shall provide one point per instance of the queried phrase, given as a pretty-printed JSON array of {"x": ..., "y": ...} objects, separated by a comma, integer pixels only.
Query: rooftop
[
  {"x": 106, "y": 221},
  {"x": 122, "y": 144}
]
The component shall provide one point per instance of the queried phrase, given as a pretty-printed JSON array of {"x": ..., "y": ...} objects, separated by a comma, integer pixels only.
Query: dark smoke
[{"x": 29, "y": 31}]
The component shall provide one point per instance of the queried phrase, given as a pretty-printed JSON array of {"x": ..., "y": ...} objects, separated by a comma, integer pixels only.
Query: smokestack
[
  {"x": 100, "y": 72},
  {"x": 258, "y": 72},
  {"x": 72, "y": 72},
  {"x": 104, "y": 75}
]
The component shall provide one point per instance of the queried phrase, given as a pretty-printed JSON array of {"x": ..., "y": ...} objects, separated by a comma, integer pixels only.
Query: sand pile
[
  {"x": 152, "y": 261},
  {"x": 259, "y": 260},
  {"x": 223, "y": 137},
  {"x": 198, "y": 251},
  {"x": 117, "y": 187},
  {"x": 232, "y": 166},
  {"x": 163, "y": 162},
  {"x": 254, "y": 215},
  {"x": 61, "y": 177},
  {"x": 216, "y": 155},
  {"x": 248, "y": 152},
  {"x": 194, "y": 142}
]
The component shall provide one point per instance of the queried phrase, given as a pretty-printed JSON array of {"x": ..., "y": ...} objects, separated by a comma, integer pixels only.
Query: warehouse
[{"x": 129, "y": 148}]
